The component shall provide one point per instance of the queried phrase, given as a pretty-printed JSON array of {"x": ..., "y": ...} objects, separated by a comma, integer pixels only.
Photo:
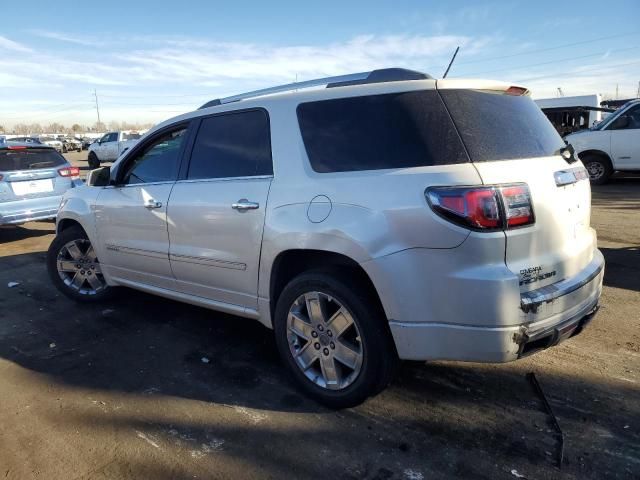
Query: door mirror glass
[
  {"x": 100, "y": 177},
  {"x": 620, "y": 123}
]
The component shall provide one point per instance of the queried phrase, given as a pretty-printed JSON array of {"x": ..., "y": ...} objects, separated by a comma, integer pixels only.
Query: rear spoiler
[{"x": 484, "y": 85}]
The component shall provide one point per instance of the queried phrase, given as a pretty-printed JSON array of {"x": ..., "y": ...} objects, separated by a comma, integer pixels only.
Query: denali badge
[{"x": 534, "y": 274}]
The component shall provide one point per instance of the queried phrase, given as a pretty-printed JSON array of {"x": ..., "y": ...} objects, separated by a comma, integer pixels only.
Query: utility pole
[
  {"x": 95, "y": 94},
  {"x": 638, "y": 94},
  {"x": 560, "y": 92},
  {"x": 616, "y": 91}
]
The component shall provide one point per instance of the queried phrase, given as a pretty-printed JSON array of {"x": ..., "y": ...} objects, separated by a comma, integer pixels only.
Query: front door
[
  {"x": 131, "y": 217},
  {"x": 217, "y": 213},
  {"x": 625, "y": 142}
]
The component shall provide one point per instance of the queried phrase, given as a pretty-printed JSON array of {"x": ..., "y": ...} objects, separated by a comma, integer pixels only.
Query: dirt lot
[{"x": 119, "y": 390}]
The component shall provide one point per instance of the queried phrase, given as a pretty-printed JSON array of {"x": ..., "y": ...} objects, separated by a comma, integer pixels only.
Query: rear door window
[
  {"x": 29, "y": 159},
  {"x": 495, "y": 126},
  {"x": 400, "y": 130},
  {"x": 235, "y": 144}
]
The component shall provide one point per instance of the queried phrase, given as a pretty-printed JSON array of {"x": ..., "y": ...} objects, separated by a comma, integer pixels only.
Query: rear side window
[
  {"x": 29, "y": 159},
  {"x": 495, "y": 126},
  {"x": 232, "y": 145},
  {"x": 400, "y": 130}
]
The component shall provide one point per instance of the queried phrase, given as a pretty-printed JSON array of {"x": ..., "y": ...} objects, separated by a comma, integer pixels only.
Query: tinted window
[
  {"x": 29, "y": 159},
  {"x": 112, "y": 137},
  {"x": 158, "y": 162},
  {"x": 496, "y": 126},
  {"x": 232, "y": 145},
  {"x": 633, "y": 114},
  {"x": 399, "y": 130}
]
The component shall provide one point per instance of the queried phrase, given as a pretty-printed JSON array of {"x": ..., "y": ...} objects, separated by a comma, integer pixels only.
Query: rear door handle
[
  {"x": 244, "y": 204},
  {"x": 151, "y": 204}
]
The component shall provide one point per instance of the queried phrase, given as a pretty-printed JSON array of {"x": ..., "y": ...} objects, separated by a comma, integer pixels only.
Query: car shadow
[
  {"x": 622, "y": 267},
  {"x": 10, "y": 233}
]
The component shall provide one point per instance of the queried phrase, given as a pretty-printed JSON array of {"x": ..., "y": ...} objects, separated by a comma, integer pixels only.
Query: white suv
[{"x": 366, "y": 218}]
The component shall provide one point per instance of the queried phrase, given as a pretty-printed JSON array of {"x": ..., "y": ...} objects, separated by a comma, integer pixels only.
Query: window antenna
[{"x": 451, "y": 62}]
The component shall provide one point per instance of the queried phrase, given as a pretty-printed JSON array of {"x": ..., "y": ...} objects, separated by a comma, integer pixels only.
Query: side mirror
[
  {"x": 621, "y": 122},
  {"x": 100, "y": 177}
]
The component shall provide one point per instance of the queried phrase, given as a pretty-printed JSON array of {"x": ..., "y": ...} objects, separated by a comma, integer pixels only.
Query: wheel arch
[
  {"x": 598, "y": 153},
  {"x": 292, "y": 262}
]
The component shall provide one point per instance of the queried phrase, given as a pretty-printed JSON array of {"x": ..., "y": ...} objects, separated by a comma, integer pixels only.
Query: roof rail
[{"x": 374, "y": 76}]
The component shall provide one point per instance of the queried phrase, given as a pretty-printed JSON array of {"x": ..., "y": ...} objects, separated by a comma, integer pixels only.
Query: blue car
[{"x": 33, "y": 179}]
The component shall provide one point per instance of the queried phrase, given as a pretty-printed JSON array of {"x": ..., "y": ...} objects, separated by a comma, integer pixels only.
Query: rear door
[
  {"x": 217, "y": 211},
  {"x": 511, "y": 141},
  {"x": 131, "y": 217}
]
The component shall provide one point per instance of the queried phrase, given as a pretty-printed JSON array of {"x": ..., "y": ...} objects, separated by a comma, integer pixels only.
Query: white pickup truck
[
  {"x": 611, "y": 145},
  {"x": 110, "y": 146}
]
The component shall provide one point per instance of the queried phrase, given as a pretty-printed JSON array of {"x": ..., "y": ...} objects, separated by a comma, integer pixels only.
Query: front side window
[
  {"x": 112, "y": 137},
  {"x": 233, "y": 144},
  {"x": 158, "y": 162},
  {"x": 633, "y": 116}
]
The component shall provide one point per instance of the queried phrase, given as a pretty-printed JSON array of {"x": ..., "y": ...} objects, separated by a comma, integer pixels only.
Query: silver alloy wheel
[
  {"x": 79, "y": 269},
  {"x": 596, "y": 170},
  {"x": 324, "y": 340}
]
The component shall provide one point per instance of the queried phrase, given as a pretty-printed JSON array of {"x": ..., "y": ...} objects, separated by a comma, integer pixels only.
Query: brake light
[
  {"x": 73, "y": 172},
  {"x": 516, "y": 91},
  {"x": 517, "y": 205},
  {"x": 17, "y": 147},
  {"x": 483, "y": 208}
]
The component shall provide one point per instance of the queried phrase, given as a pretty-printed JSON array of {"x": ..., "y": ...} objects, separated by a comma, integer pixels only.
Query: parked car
[
  {"x": 33, "y": 179},
  {"x": 611, "y": 145},
  {"x": 70, "y": 144},
  {"x": 390, "y": 216},
  {"x": 32, "y": 140},
  {"x": 110, "y": 146},
  {"x": 87, "y": 141},
  {"x": 52, "y": 142}
]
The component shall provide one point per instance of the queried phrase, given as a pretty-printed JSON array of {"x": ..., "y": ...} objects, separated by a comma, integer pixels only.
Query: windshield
[{"x": 29, "y": 159}]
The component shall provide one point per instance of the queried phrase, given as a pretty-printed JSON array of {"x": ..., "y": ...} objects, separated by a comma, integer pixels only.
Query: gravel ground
[{"x": 120, "y": 390}]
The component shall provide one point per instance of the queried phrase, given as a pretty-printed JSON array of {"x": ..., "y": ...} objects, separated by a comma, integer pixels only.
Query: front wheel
[
  {"x": 74, "y": 267},
  {"x": 599, "y": 169},
  {"x": 333, "y": 339},
  {"x": 93, "y": 161}
]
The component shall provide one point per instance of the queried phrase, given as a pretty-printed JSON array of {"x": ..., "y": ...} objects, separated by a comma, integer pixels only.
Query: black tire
[
  {"x": 379, "y": 357},
  {"x": 599, "y": 169},
  {"x": 62, "y": 239},
  {"x": 93, "y": 161}
]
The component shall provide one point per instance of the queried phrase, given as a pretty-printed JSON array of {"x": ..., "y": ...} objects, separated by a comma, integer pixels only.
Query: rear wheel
[
  {"x": 332, "y": 337},
  {"x": 74, "y": 267},
  {"x": 93, "y": 160},
  {"x": 599, "y": 169}
]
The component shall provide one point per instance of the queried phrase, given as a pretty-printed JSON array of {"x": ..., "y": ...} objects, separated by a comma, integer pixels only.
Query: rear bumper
[
  {"x": 547, "y": 316},
  {"x": 22, "y": 211}
]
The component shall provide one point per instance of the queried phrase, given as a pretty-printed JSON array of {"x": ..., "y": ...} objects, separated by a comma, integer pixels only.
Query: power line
[
  {"x": 569, "y": 59},
  {"x": 585, "y": 70},
  {"x": 557, "y": 47}
]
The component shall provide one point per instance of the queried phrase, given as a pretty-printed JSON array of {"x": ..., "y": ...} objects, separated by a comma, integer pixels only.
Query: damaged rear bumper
[{"x": 548, "y": 316}]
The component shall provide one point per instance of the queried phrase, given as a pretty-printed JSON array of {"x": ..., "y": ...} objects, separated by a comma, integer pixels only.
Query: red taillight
[
  {"x": 516, "y": 91},
  {"x": 483, "y": 208},
  {"x": 517, "y": 205},
  {"x": 17, "y": 147},
  {"x": 73, "y": 172}
]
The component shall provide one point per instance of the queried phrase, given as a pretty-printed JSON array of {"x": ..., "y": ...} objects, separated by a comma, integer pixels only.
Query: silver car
[
  {"x": 366, "y": 218},
  {"x": 33, "y": 179}
]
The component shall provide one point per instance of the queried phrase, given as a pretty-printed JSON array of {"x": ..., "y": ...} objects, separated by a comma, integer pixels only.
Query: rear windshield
[
  {"x": 400, "y": 130},
  {"x": 499, "y": 127},
  {"x": 29, "y": 159},
  {"x": 131, "y": 136}
]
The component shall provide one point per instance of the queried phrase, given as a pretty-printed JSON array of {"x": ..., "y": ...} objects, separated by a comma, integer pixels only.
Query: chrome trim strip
[
  {"x": 137, "y": 251},
  {"x": 225, "y": 179},
  {"x": 209, "y": 262},
  {"x": 530, "y": 301}
]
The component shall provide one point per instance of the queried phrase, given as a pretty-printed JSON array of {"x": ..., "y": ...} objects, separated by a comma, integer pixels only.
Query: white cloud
[
  {"x": 6, "y": 44},
  {"x": 63, "y": 37}
]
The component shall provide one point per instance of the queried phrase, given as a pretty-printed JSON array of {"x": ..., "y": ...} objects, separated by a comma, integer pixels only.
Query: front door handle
[
  {"x": 151, "y": 203},
  {"x": 244, "y": 204}
]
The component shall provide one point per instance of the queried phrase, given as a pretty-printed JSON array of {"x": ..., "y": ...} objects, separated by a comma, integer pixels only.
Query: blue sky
[{"x": 152, "y": 60}]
